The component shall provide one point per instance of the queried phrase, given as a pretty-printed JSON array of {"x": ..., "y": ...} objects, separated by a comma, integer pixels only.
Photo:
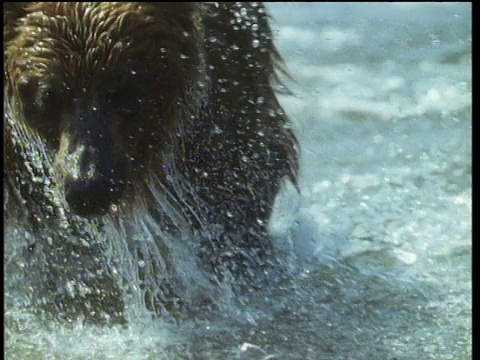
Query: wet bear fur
[{"x": 126, "y": 101}]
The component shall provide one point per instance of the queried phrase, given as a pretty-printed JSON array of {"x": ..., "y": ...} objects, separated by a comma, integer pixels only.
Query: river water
[{"x": 380, "y": 236}]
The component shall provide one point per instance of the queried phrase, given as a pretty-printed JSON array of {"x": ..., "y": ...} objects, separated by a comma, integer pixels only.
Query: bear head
[{"x": 103, "y": 84}]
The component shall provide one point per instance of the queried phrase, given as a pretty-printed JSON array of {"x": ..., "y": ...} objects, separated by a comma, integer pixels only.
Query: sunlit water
[{"x": 380, "y": 237}]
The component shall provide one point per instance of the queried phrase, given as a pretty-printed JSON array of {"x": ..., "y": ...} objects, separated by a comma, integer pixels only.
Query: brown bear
[{"x": 111, "y": 104}]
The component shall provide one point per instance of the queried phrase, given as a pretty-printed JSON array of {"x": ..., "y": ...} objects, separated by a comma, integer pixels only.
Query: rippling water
[{"x": 380, "y": 237}]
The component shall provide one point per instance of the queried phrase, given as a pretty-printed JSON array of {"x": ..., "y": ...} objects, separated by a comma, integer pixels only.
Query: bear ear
[{"x": 12, "y": 11}]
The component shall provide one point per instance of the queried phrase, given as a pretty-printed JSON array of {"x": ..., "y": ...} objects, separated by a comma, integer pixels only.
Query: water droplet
[{"x": 216, "y": 129}]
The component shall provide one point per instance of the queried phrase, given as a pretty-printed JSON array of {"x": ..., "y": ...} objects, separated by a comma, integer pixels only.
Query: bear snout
[{"x": 94, "y": 180}]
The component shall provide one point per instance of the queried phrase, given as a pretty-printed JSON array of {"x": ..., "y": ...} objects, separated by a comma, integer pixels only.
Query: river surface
[{"x": 380, "y": 236}]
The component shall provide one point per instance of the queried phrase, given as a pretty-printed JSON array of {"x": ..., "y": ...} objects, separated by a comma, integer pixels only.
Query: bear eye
[
  {"x": 26, "y": 92},
  {"x": 42, "y": 106},
  {"x": 48, "y": 100}
]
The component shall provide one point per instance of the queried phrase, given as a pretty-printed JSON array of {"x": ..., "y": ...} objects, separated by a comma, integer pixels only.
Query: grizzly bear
[{"x": 166, "y": 107}]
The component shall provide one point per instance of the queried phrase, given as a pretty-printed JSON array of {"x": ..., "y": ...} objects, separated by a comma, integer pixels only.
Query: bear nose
[
  {"x": 94, "y": 181},
  {"x": 89, "y": 197}
]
